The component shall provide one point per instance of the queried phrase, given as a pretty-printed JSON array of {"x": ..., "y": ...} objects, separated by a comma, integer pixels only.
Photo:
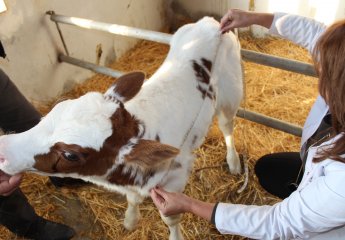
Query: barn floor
[
  {"x": 97, "y": 214},
  {"x": 83, "y": 225}
]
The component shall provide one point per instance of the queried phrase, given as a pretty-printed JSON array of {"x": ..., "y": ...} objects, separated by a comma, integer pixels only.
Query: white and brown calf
[{"x": 140, "y": 134}]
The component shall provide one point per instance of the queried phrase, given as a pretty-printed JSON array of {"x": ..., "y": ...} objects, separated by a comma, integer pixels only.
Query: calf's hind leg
[{"x": 226, "y": 125}]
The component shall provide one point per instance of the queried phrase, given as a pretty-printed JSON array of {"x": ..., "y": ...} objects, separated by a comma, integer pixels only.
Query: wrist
[
  {"x": 263, "y": 19},
  {"x": 201, "y": 209},
  {"x": 188, "y": 205}
]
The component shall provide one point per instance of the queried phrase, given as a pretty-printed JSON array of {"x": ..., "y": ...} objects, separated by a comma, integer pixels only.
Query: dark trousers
[
  {"x": 16, "y": 113},
  {"x": 277, "y": 172}
]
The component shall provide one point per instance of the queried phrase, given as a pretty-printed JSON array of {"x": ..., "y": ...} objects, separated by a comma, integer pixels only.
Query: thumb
[
  {"x": 157, "y": 199},
  {"x": 161, "y": 191},
  {"x": 223, "y": 21},
  {"x": 228, "y": 27},
  {"x": 15, "y": 179}
]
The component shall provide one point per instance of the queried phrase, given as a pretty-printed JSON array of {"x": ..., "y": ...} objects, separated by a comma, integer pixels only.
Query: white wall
[
  {"x": 321, "y": 10},
  {"x": 198, "y": 8},
  {"x": 31, "y": 40}
]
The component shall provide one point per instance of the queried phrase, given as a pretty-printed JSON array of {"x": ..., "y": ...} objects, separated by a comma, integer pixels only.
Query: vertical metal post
[{"x": 60, "y": 33}]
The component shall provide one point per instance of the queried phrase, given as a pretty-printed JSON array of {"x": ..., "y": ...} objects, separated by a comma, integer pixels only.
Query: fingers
[
  {"x": 162, "y": 200},
  {"x": 234, "y": 18},
  {"x": 224, "y": 21},
  {"x": 7, "y": 193},
  {"x": 161, "y": 191},
  {"x": 225, "y": 24},
  {"x": 8, "y": 184},
  {"x": 15, "y": 180},
  {"x": 6, "y": 189},
  {"x": 227, "y": 28},
  {"x": 157, "y": 199}
]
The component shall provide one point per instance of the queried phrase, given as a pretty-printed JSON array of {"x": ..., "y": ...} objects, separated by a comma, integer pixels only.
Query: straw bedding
[{"x": 98, "y": 214}]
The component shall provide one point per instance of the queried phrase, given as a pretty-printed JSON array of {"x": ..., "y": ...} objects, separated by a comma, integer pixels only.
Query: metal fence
[{"x": 252, "y": 56}]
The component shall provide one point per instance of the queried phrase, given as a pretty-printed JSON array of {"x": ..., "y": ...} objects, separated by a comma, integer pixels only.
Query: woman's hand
[
  {"x": 9, "y": 183},
  {"x": 170, "y": 203},
  {"x": 236, "y": 18}
]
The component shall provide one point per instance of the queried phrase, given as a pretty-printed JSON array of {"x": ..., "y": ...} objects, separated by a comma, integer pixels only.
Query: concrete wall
[
  {"x": 199, "y": 8},
  {"x": 31, "y": 40}
]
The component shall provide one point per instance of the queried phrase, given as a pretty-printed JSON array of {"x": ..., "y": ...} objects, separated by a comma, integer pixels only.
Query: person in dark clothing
[{"x": 16, "y": 213}]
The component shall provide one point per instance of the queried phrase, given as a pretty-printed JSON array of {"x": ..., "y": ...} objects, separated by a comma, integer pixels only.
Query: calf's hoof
[
  {"x": 130, "y": 224},
  {"x": 132, "y": 217},
  {"x": 234, "y": 163}
]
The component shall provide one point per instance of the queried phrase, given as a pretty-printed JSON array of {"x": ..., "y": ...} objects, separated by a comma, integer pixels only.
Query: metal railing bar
[
  {"x": 248, "y": 115},
  {"x": 248, "y": 55}
]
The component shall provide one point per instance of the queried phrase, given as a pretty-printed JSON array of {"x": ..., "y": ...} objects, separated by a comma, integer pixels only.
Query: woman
[{"x": 313, "y": 206}]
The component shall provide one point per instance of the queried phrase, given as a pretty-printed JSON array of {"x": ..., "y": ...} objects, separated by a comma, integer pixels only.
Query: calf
[{"x": 140, "y": 134}]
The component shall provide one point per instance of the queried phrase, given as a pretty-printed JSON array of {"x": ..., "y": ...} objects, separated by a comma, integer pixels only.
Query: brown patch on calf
[
  {"x": 148, "y": 154},
  {"x": 55, "y": 162},
  {"x": 203, "y": 92},
  {"x": 202, "y": 73},
  {"x": 175, "y": 165},
  {"x": 129, "y": 176},
  {"x": 129, "y": 84},
  {"x": 90, "y": 162},
  {"x": 142, "y": 162},
  {"x": 122, "y": 176},
  {"x": 195, "y": 137},
  {"x": 158, "y": 139},
  {"x": 207, "y": 64}
]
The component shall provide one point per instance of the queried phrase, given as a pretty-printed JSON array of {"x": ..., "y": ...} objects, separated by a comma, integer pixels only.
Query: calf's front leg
[
  {"x": 173, "y": 223},
  {"x": 132, "y": 215}
]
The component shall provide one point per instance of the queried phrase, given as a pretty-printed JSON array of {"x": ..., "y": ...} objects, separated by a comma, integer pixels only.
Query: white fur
[
  {"x": 168, "y": 105},
  {"x": 174, "y": 102}
]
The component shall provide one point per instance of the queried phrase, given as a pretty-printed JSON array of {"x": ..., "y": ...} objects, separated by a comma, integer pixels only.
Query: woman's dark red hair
[{"x": 329, "y": 60}]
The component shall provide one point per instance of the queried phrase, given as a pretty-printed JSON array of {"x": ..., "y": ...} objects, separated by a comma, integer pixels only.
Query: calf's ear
[
  {"x": 148, "y": 154},
  {"x": 126, "y": 86}
]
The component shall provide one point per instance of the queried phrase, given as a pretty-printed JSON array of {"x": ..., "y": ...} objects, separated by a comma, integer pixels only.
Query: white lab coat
[{"x": 316, "y": 210}]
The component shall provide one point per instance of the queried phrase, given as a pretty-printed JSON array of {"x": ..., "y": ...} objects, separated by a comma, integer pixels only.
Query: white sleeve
[
  {"x": 300, "y": 30},
  {"x": 319, "y": 207}
]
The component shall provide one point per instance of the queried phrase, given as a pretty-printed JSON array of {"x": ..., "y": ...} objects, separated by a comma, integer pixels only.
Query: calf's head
[{"x": 92, "y": 137}]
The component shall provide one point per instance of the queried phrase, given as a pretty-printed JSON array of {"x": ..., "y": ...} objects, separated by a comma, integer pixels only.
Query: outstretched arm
[
  {"x": 236, "y": 18},
  {"x": 301, "y": 30}
]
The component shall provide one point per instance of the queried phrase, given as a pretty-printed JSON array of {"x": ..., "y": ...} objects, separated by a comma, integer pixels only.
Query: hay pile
[{"x": 276, "y": 93}]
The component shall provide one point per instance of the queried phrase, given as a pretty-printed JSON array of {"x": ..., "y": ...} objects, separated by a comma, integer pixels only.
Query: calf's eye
[{"x": 70, "y": 156}]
